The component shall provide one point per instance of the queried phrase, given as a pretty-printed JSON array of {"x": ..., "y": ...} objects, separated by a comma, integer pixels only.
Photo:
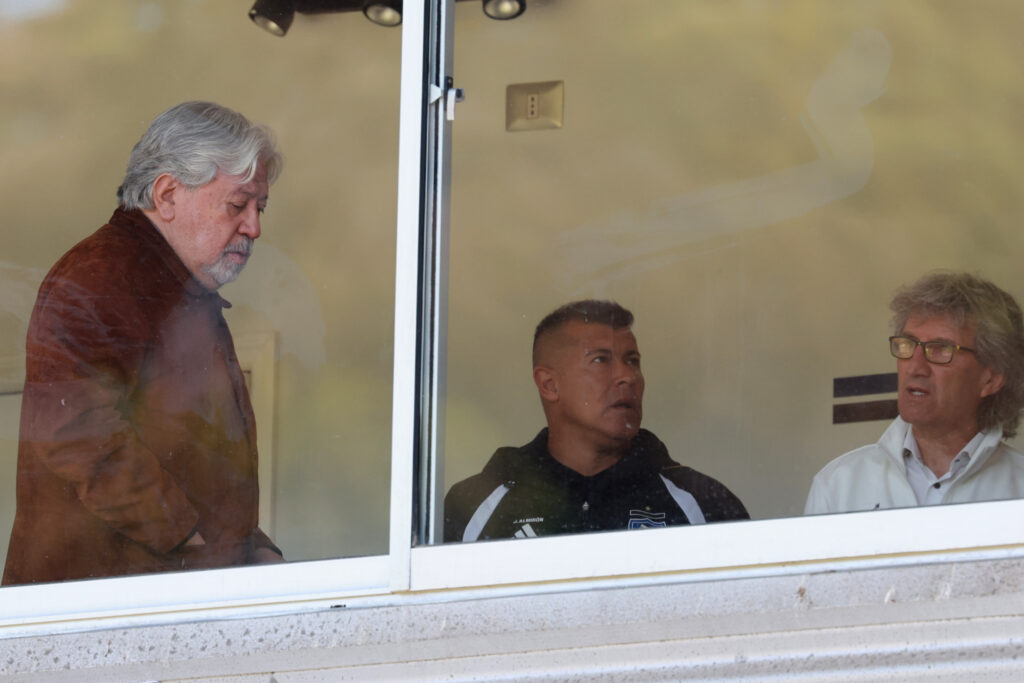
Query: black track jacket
[{"x": 524, "y": 492}]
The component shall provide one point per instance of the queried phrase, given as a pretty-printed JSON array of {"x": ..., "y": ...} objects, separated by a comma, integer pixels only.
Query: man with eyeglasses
[{"x": 959, "y": 349}]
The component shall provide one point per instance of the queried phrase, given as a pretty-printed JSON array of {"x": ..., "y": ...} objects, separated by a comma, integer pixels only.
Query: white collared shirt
[{"x": 929, "y": 489}]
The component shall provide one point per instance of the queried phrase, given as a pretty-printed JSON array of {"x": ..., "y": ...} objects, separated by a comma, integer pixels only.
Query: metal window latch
[{"x": 451, "y": 95}]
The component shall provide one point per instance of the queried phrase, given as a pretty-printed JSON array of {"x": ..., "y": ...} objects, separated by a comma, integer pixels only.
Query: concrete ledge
[{"x": 961, "y": 620}]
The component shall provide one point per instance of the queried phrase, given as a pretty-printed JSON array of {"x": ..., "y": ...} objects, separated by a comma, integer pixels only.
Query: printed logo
[
  {"x": 641, "y": 519},
  {"x": 526, "y": 532}
]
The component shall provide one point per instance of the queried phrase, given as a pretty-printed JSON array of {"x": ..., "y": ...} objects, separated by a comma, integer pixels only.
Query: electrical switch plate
[{"x": 534, "y": 106}]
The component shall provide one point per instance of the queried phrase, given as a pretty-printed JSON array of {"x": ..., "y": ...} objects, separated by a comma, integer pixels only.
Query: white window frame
[{"x": 435, "y": 573}]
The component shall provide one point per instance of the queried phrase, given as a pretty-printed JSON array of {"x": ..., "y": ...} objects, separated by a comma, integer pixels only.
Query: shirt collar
[{"x": 911, "y": 449}]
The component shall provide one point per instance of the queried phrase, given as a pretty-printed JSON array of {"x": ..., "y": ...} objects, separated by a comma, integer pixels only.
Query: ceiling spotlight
[
  {"x": 504, "y": 9},
  {"x": 274, "y": 16},
  {"x": 383, "y": 12}
]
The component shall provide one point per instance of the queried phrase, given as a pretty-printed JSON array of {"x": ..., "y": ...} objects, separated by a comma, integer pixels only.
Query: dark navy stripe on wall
[
  {"x": 865, "y": 411},
  {"x": 864, "y": 385}
]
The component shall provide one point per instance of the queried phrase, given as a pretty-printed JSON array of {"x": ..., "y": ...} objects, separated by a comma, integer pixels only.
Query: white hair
[{"x": 192, "y": 141}]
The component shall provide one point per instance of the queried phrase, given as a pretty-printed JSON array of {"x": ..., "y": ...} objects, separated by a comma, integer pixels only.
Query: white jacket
[{"x": 875, "y": 477}]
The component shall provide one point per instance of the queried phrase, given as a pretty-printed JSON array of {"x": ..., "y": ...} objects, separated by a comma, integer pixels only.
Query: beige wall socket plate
[{"x": 534, "y": 106}]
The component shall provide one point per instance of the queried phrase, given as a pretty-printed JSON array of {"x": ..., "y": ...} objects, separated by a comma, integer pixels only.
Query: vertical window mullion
[
  {"x": 410, "y": 223},
  {"x": 435, "y": 296}
]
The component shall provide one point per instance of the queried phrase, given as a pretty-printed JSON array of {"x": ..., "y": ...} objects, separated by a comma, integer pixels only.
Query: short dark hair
[
  {"x": 999, "y": 339},
  {"x": 585, "y": 311}
]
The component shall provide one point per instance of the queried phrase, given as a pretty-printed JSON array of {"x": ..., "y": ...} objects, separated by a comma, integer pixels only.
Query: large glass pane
[
  {"x": 753, "y": 180},
  {"x": 312, "y": 313}
]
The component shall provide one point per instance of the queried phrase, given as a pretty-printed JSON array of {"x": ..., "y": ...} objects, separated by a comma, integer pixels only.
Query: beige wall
[{"x": 753, "y": 180}]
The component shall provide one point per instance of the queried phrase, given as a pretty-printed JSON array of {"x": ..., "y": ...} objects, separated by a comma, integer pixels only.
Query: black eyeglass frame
[{"x": 929, "y": 348}]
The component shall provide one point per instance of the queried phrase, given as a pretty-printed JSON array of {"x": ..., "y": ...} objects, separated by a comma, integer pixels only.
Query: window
[
  {"x": 312, "y": 315},
  {"x": 752, "y": 180}
]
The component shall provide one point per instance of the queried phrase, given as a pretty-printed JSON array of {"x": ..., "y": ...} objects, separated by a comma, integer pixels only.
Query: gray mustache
[{"x": 243, "y": 247}]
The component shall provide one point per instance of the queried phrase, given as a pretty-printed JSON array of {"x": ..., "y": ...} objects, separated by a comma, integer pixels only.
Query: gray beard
[{"x": 224, "y": 271}]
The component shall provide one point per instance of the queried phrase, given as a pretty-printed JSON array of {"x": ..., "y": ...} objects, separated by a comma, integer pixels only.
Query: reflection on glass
[
  {"x": 311, "y": 316},
  {"x": 593, "y": 468},
  {"x": 958, "y": 398},
  {"x": 754, "y": 180}
]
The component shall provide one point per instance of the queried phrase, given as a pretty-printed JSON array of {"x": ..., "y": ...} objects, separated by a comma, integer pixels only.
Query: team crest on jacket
[{"x": 641, "y": 519}]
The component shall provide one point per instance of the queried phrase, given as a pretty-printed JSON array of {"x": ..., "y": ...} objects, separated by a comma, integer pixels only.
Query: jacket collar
[
  {"x": 646, "y": 452},
  {"x": 152, "y": 239}
]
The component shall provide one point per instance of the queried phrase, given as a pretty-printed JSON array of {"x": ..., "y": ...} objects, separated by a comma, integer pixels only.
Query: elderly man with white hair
[{"x": 138, "y": 442}]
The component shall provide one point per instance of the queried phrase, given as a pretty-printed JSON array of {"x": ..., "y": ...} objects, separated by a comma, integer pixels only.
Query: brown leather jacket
[{"x": 136, "y": 427}]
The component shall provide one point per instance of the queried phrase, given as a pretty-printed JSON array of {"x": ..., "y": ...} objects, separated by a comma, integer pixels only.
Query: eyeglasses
[{"x": 939, "y": 352}]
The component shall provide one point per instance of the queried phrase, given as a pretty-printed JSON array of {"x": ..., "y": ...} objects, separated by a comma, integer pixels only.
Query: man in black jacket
[{"x": 592, "y": 468}]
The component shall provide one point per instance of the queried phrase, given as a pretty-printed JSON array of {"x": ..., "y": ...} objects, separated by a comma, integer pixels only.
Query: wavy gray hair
[
  {"x": 192, "y": 141},
  {"x": 999, "y": 338}
]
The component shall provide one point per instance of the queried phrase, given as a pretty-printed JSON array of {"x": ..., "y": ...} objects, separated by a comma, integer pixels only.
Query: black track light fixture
[
  {"x": 275, "y": 16},
  {"x": 383, "y": 12},
  {"x": 504, "y": 9}
]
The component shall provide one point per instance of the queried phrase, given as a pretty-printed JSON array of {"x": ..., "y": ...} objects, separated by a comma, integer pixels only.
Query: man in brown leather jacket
[{"x": 138, "y": 442}]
